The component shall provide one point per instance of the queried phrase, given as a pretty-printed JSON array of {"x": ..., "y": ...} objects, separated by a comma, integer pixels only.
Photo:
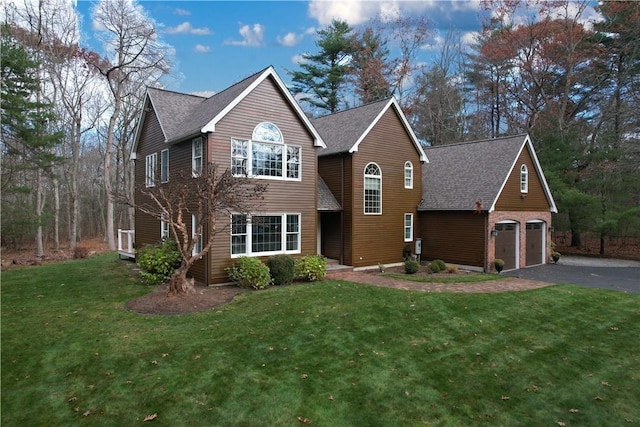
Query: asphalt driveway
[{"x": 612, "y": 274}]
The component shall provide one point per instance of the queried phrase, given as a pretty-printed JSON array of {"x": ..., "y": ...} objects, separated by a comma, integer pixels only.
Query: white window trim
[
  {"x": 285, "y": 163},
  {"x": 163, "y": 166},
  {"x": 150, "y": 170},
  {"x": 410, "y": 228},
  {"x": 364, "y": 199},
  {"x": 408, "y": 167},
  {"x": 197, "y": 248},
  {"x": 194, "y": 170},
  {"x": 164, "y": 229},
  {"x": 283, "y": 236},
  {"x": 524, "y": 179}
]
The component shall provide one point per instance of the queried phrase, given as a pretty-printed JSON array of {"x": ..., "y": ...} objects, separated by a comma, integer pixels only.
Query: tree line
[{"x": 540, "y": 67}]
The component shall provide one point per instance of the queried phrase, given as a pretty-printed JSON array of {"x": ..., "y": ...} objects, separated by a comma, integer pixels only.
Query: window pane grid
[
  {"x": 164, "y": 166},
  {"x": 408, "y": 227},
  {"x": 261, "y": 235},
  {"x": 267, "y": 159},
  {"x": 266, "y": 234},
  {"x": 197, "y": 157},
  {"x": 408, "y": 175},
  {"x": 372, "y": 189},
  {"x": 239, "y": 156}
]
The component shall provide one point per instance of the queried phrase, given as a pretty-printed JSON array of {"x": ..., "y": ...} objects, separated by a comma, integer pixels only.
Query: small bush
[
  {"x": 498, "y": 264},
  {"x": 158, "y": 262},
  {"x": 80, "y": 252},
  {"x": 311, "y": 267},
  {"x": 441, "y": 264},
  {"x": 434, "y": 267},
  {"x": 282, "y": 268},
  {"x": 452, "y": 269},
  {"x": 411, "y": 266},
  {"x": 249, "y": 272}
]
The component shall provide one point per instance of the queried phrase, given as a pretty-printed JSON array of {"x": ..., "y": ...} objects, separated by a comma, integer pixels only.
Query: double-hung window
[
  {"x": 372, "y": 189},
  {"x": 197, "y": 248},
  {"x": 524, "y": 179},
  {"x": 259, "y": 235},
  {"x": 164, "y": 166},
  {"x": 408, "y": 227},
  {"x": 408, "y": 175},
  {"x": 196, "y": 157},
  {"x": 150, "y": 169},
  {"x": 164, "y": 229},
  {"x": 265, "y": 155}
]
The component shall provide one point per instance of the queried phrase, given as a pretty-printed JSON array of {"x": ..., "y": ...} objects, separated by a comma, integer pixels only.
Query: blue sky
[{"x": 218, "y": 43}]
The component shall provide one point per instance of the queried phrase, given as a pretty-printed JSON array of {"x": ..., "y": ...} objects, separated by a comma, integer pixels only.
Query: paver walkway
[{"x": 510, "y": 284}]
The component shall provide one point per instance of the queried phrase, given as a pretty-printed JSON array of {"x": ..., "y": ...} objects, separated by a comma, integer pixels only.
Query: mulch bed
[{"x": 205, "y": 298}]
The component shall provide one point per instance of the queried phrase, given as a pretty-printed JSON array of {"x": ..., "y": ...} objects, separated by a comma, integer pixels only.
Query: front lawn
[{"x": 329, "y": 354}]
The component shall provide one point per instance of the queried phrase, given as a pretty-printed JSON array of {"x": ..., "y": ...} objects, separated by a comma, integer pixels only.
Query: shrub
[
  {"x": 80, "y": 252},
  {"x": 434, "y": 267},
  {"x": 441, "y": 264},
  {"x": 249, "y": 272},
  {"x": 411, "y": 266},
  {"x": 452, "y": 269},
  {"x": 498, "y": 264},
  {"x": 311, "y": 267},
  {"x": 158, "y": 262},
  {"x": 282, "y": 268}
]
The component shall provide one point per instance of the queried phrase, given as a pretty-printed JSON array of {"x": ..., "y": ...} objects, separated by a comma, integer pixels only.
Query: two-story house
[{"x": 355, "y": 186}]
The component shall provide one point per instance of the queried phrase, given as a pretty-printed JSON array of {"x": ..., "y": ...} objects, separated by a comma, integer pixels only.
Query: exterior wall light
[{"x": 494, "y": 232}]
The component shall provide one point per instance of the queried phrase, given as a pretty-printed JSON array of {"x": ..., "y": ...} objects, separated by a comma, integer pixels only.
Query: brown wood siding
[
  {"x": 511, "y": 199},
  {"x": 380, "y": 238},
  {"x": 454, "y": 237},
  {"x": 266, "y": 104},
  {"x": 152, "y": 140},
  {"x": 330, "y": 169}
]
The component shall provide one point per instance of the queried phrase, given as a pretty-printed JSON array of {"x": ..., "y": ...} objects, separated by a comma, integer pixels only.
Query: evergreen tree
[
  {"x": 324, "y": 74},
  {"x": 27, "y": 141}
]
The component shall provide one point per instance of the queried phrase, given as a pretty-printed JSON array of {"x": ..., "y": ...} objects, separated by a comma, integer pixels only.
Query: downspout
[
  {"x": 207, "y": 257},
  {"x": 486, "y": 241},
  {"x": 342, "y": 211}
]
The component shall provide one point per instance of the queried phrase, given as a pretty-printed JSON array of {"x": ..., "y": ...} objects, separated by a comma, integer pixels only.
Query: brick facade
[{"x": 521, "y": 218}]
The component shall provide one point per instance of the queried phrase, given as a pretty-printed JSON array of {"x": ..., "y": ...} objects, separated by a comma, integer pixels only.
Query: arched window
[
  {"x": 524, "y": 179},
  {"x": 372, "y": 189},
  {"x": 408, "y": 175}
]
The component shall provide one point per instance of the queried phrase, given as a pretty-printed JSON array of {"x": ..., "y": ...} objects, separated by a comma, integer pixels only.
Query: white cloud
[
  {"x": 468, "y": 38},
  {"x": 290, "y": 39},
  {"x": 354, "y": 12},
  {"x": 202, "y": 48},
  {"x": 204, "y": 93},
  {"x": 435, "y": 43},
  {"x": 186, "y": 28},
  {"x": 251, "y": 36},
  {"x": 298, "y": 59},
  {"x": 181, "y": 12}
]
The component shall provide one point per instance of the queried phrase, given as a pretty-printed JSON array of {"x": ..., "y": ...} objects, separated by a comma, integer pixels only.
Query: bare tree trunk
[
  {"x": 110, "y": 229},
  {"x": 56, "y": 214},
  {"x": 39, "y": 210},
  {"x": 179, "y": 284}
]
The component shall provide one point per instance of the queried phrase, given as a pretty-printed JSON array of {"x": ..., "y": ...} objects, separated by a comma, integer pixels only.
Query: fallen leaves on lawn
[
  {"x": 150, "y": 417},
  {"x": 304, "y": 420},
  {"x": 504, "y": 398},
  {"x": 72, "y": 399},
  {"x": 86, "y": 413}
]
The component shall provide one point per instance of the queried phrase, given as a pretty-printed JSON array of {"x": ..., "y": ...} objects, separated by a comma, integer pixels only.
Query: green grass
[
  {"x": 469, "y": 278},
  {"x": 335, "y": 353}
]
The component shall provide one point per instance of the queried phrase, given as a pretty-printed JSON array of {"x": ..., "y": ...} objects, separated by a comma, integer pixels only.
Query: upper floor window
[
  {"x": 524, "y": 179},
  {"x": 164, "y": 166},
  {"x": 408, "y": 175},
  {"x": 196, "y": 157},
  {"x": 150, "y": 169},
  {"x": 267, "y": 154},
  {"x": 372, "y": 189}
]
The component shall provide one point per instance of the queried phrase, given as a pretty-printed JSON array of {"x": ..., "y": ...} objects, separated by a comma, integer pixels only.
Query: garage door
[
  {"x": 506, "y": 244},
  {"x": 534, "y": 243}
]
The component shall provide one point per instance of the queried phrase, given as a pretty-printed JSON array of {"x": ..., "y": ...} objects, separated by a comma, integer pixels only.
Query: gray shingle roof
[
  {"x": 340, "y": 131},
  {"x": 326, "y": 199},
  {"x": 458, "y": 175},
  {"x": 183, "y": 115}
]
